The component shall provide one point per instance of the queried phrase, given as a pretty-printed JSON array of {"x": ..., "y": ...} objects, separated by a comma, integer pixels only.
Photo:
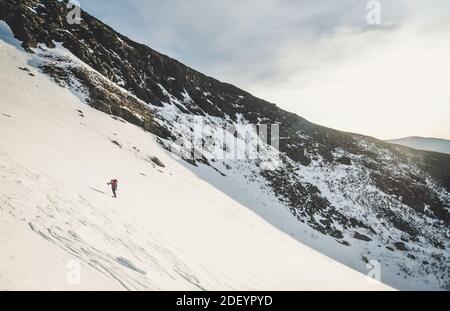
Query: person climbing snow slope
[{"x": 114, "y": 183}]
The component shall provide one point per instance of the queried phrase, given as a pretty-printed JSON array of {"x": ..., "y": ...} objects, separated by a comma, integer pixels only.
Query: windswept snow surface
[{"x": 168, "y": 230}]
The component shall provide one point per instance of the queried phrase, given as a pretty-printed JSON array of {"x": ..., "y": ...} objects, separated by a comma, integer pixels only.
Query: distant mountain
[
  {"x": 423, "y": 143},
  {"x": 356, "y": 199}
]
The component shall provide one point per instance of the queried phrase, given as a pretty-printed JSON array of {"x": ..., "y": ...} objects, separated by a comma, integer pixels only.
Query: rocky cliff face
[{"x": 384, "y": 202}]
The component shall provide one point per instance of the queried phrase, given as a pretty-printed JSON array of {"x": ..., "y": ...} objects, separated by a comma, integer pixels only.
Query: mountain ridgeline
[{"x": 386, "y": 202}]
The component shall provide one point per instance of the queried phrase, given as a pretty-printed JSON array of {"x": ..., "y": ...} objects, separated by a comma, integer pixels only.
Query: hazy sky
[{"x": 320, "y": 59}]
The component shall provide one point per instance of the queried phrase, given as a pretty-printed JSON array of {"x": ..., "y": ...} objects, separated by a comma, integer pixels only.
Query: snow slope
[{"x": 168, "y": 230}]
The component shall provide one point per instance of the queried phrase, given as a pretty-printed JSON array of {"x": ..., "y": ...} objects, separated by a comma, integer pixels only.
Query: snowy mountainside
[
  {"x": 353, "y": 198},
  {"x": 168, "y": 230}
]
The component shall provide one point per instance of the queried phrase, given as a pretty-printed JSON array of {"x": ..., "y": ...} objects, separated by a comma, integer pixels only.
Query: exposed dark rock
[
  {"x": 438, "y": 244},
  {"x": 157, "y": 161},
  {"x": 115, "y": 142},
  {"x": 344, "y": 161},
  {"x": 343, "y": 242},
  {"x": 305, "y": 203}
]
